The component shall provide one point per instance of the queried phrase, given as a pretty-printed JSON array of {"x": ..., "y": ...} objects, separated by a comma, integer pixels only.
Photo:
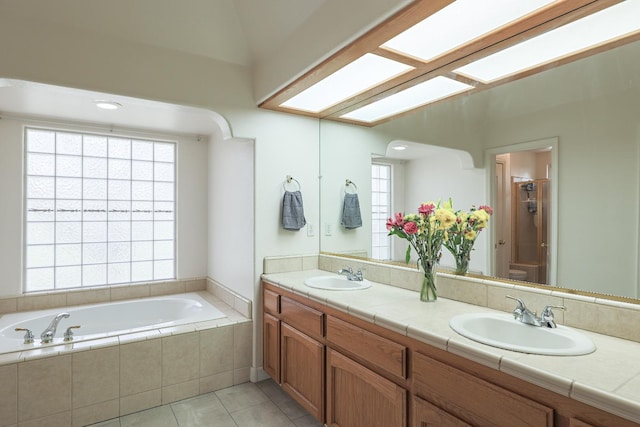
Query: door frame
[{"x": 490, "y": 161}]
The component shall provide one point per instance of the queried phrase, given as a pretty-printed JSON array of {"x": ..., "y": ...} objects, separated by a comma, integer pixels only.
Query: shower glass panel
[{"x": 531, "y": 226}]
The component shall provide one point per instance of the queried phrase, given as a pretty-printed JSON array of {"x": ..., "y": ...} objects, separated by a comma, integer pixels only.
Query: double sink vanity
[{"x": 359, "y": 352}]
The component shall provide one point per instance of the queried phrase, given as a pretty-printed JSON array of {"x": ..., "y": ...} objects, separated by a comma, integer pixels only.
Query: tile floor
[{"x": 261, "y": 404}]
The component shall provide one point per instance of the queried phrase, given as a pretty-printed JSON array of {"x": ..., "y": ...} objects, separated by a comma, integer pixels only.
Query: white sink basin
[
  {"x": 336, "y": 283},
  {"x": 503, "y": 331}
]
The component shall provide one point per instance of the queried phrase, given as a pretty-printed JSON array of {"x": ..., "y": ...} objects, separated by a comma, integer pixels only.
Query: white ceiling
[{"x": 237, "y": 31}]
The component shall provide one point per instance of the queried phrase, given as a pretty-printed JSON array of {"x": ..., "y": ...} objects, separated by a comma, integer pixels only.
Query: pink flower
[
  {"x": 389, "y": 224},
  {"x": 487, "y": 209},
  {"x": 426, "y": 209},
  {"x": 397, "y": 222},
  {"x": 411, "y": 227}
]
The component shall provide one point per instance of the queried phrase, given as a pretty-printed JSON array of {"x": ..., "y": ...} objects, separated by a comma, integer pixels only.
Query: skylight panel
[
  {"x": 365, "y": 72},
  {"x": 459, "y": 23},
  {"x": 424, "y": 93},
  {"x": 601, "y": 27}
]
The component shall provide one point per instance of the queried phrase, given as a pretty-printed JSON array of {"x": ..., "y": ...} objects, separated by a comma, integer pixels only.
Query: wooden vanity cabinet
[
  {"x": 302, "y": 355},
  {"x": 473, "y": 400},
  {"x": 351, "y": 373},
  {"x": 293, "y": 350},
  {"x": 271, "y": 334},
  {"x": 357, "y": 396}
]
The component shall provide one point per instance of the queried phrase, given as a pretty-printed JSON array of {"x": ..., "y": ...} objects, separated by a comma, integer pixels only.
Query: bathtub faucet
[{"x": 49, "y": 333}]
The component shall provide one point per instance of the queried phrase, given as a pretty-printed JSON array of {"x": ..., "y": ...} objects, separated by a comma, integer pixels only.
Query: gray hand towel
[
  {"x": 292, "y": 211},
  {"x": 351, "y": 217}
]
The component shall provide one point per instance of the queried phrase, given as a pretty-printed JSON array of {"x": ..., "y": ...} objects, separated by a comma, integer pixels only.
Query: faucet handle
[
  {"x": 546, "y": 317},
  {"x": 521, "y": 305},
  {"x": 546, "y": 311},
  {"x": 28, "y": 336},
  {"x": 68, "y": 334}
]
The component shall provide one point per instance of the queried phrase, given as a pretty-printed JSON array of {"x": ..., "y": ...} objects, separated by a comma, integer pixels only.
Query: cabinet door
[
  {"x": 357, "y": 396},
  {"x": 474, "y": 400},
  {"x": 427, "y": 415},
  {"x": 302, "y": 369},
  {"x": 271, "y": 347}
]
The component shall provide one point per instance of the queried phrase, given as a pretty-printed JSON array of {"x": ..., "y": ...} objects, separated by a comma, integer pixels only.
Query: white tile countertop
[{"x": 608, "y": 378}]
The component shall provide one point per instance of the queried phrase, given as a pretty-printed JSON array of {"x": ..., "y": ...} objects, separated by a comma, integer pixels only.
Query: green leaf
[{"x": 407, "y": 256}]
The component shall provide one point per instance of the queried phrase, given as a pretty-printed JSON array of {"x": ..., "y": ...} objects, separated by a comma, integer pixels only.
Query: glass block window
[
  {"x": 380, "y": 211},
  {"x": 100, "y": 210}
]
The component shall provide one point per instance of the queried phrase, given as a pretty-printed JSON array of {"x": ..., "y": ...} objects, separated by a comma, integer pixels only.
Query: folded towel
[
  {"x": 292, "y": 211},
  {"x": 351, "y": 217}
]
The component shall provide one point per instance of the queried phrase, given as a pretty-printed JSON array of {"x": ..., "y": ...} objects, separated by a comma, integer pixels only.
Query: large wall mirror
[{"x": 590, "y": 107}]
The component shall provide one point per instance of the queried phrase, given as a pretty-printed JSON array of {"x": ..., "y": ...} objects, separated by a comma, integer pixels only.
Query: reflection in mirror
[
  {"x": 522, "y": 192},
  {"x": 592, "y": 107}
]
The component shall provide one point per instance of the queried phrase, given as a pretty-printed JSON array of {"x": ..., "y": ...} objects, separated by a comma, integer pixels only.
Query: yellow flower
[
  {"x": 446, "y": 218},
  {"x": 470, "y": 234}
]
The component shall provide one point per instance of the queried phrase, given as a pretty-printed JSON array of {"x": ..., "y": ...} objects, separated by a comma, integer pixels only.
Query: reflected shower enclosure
[{"x": 530, "y": 228}]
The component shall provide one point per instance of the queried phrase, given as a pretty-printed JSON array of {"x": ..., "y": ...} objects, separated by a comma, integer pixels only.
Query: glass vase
[
  {"x": 428, "y": 292},
  {"x": 462, "y": 264}
]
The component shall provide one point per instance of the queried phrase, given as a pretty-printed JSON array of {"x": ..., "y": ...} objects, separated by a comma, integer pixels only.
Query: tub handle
[
  {"x": 28, "y": 336},
  {"x": 68, "y": 334}
]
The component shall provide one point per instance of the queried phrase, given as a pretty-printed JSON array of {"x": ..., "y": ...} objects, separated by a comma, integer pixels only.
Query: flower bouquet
[
  {"x": 425, "y": 231},
  {"x": 463, "y": 234}
]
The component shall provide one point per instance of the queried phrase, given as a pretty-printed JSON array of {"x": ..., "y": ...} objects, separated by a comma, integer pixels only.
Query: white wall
[
  {"x": 439, "y": 177},
  {"x": 231, "y": 214},
  {"x": 191, "y": 202}
]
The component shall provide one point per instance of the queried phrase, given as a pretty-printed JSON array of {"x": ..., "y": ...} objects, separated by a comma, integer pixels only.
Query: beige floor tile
[
  {"x": 205, "y": 410},
  {"x": 161, "y": 416},
  {"x": 241, "y": 397},
  {"x": 307, "y": 421},
  {"x": 109, "y": 423},
  {"x": 265, "y": 414}
]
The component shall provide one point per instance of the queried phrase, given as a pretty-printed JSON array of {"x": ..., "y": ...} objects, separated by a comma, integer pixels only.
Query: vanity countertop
[{"x": 608, "y": 378}]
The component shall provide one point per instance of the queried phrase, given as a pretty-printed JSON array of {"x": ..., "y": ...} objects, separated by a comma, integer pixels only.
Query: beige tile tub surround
[
  {"x": 45, "y": 300},
  {"x": 617, "y": 319},
  {"x": 92, "y": 381}
]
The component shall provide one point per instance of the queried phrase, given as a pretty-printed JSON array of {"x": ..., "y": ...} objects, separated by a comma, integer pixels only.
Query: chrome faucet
[
  {"x": 522, "y": 314},
  {"x": 47, "y": 335},
  {"x": 348, "y": 271}
]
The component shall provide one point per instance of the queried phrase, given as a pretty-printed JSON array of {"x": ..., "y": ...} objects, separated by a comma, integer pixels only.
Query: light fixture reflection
[
  {"x": 363, "y": 73},
  {"x": 108, "y": 105},
  {"x": 399, "y": 147},
  {"x": 601, "y": 27},
  {"x": 459, "y": 23},
  {"x": 424, "y": 93}
]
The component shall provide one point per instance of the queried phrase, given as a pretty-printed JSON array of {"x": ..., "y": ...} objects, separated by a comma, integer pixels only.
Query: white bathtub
[{"x": 108, "y": 319}]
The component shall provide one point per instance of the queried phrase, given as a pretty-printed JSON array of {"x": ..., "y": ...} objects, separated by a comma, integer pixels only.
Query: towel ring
[
  {"x": 348, "y": 183},
  {"x": 288, "y": 181}
]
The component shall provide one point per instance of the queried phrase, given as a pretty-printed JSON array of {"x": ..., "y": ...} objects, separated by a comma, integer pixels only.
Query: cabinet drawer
[
  {"x": 379, "y": 352},
  {"x": 303, "y": 318},
  {"x": 481, "y": 403},
  {"x": 271, "y": 302}
]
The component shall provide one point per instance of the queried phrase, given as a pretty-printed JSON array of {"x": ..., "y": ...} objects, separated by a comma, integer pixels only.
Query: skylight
[
  {"x": 365, "y": 72},
  {"x": 588, "y": 32},
  {"x": 424, "y": 93},
  {"x": 459, "y": 23}
]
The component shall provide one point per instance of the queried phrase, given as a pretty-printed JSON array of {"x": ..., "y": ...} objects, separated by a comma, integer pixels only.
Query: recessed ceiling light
[
  {"x": 458, "y": 24},
  {"x": 601, "y": 27},
  {"x": 421, "y": 94},
  {"x": 363, "y": 73},
  {"x": 399, "y": 147},
  {"x": 108, "y": 105}
]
